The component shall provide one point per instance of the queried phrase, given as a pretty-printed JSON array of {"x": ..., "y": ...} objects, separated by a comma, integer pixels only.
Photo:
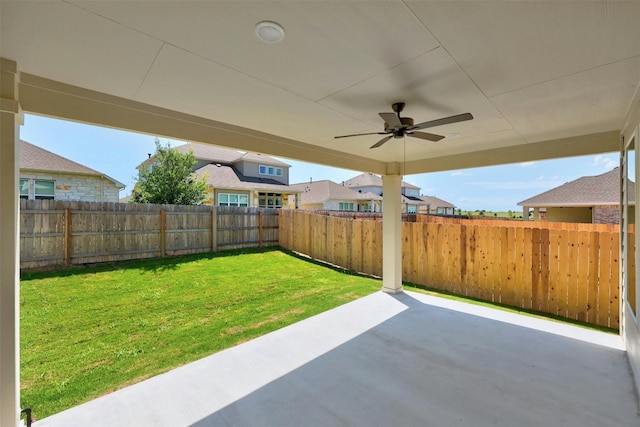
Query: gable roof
[
  {"x": 226, "y": 177},
  {"x": 601, "y": 189},
  {"x": 215, "y": 154},
  {"x": 436, "y": 202},
  {"x": 371, "y": 180},
  {"x": 321, "y": 191},
  {"x": 34, "y": 158}
]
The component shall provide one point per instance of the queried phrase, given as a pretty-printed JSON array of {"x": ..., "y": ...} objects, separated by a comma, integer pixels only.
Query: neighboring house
[
  {"x": 45, "y": 175},
  {"x": 590, "y": 199},
  {"x": 436, "y": 206},
  {"x": 371, "y": 183},
  {"x": 236, "y": 178},
  {"x": 327, "y": 195}
]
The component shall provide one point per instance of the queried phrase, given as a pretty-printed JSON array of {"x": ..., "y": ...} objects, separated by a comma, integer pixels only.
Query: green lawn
[{"x": 88, "y": 331}]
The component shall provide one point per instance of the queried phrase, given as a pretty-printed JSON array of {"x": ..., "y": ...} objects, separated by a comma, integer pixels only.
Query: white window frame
[
  {"x": 24, "y": 182},
  {"x": 241, "y": 199},
  {"x": 45, "y": 196},
  {"x": 270, "y": 170},
  {"x": 345, "y": 206}
]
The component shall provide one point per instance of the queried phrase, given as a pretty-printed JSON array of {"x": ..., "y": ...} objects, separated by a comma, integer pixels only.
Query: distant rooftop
[
  {"x": 226, "y": 177},
  {"x": 34, "y": 158},
  {"x": 216, "y": 154},
  {"x": 321, "y": 191},
  {"x": 436, "y": 202},
  {"x": 601, "y": 189},
  {"x": 371, "y": 180}
]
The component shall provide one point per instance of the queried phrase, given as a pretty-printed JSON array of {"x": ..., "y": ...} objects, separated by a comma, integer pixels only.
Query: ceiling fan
[{"x": 398, "y": 127}]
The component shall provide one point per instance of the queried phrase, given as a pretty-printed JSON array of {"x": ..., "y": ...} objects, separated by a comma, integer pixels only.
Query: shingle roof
[
  {"x": 210, "y": 153},
  {"x": 436, "y": 202},
  {"x": 263, "y": 158},
  {"x": 371, "y": 180},
  {"x": 228, "y": 178},
  {"x": 215, "y": 154},
  {"x": 586, "y": 191},
  {"x": 35, "y": 158},
  {"x": 321, "y": 191}
]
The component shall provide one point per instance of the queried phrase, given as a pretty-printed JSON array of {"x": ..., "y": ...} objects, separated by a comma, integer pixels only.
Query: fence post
[
  {"x": 67, "y": 236},
  {"x": 260, "y": 219},
  {"x": 214, "y": 229},
  {"x": 163, "y": 222}
]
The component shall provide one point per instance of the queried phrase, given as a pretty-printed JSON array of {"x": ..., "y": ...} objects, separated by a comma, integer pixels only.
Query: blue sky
[{"x": 498, "y": 188}]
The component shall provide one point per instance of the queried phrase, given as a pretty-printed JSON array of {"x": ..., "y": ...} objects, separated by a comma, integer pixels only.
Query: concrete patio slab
[{"x": 383, "y": 360}]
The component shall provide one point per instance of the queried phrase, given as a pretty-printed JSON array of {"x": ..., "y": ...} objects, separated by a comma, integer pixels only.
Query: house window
[
  {"x": 230, "y": 199},
  {"x": 270, "y": 170},
  {"x": 345, "y": 206},
  {"x": 412, "y": 209},
  {"x": 411, "y": 192},
  {"x": 24, "y": 188},
  {"x": 44, "y": 190},
  {"x": 270, "y": 200}
]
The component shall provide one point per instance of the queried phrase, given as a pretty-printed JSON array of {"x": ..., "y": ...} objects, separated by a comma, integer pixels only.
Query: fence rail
[
  {"x": 66, "y": 233},
  {"x": 565, "y": 272}
]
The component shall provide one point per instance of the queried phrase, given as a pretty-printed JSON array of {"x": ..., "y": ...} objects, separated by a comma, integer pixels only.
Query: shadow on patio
[{"x": 405, "y": 360}]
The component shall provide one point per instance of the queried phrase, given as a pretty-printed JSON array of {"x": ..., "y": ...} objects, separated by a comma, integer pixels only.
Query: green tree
[{"x": 169, "y": 179}]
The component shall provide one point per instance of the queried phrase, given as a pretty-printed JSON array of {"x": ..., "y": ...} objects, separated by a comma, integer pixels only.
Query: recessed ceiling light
[{"x": 269, "y": 32}]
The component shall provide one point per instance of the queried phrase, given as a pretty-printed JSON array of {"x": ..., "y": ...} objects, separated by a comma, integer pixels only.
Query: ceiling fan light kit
[{"x": 399, "y": 127}]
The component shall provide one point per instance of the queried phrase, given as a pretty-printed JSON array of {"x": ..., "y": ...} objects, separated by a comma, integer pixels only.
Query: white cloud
[
  {"x": 606, "y": 162},
  {"x": 527, "y": 164},
  {"x": 460, "y": 173}
]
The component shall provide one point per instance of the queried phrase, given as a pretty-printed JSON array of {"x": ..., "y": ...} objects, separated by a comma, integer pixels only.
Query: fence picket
[{"x": 571, "y": 271}]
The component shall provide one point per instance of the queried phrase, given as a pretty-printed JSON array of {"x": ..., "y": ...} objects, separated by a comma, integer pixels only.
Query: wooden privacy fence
[
  {"x": 565, "y": 272},
  {"x": 65, "y": 233}
]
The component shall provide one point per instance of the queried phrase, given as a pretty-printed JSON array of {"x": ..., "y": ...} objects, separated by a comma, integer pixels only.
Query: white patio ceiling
[{"x": 534, "y": 74}]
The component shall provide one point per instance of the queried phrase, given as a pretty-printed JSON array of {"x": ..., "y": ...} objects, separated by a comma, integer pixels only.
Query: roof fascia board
[
  {"x": 47, "y": 97},
  {"x": 567, "y": 205},
  {"x": 596, "y": 143},
  {"x": 57, "y": 172}
]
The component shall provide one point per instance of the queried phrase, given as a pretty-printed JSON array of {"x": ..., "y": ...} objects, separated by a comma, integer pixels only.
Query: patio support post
[
  {"x": 525, "y": 213},
  {"x": 9, "y": 246},
  {"x": 392, "y": 233}
]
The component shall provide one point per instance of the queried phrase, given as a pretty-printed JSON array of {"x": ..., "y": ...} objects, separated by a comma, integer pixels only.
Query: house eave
[{"x": 118, "y": 184}]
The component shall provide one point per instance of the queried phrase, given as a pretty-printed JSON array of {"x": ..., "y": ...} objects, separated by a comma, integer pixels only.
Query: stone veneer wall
[
  {"x": 608, "y": 214},
  {"x": 77, "y": 187}
]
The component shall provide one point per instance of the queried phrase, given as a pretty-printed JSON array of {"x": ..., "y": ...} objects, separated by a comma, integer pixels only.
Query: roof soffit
[{"x": 527, "y": 71}]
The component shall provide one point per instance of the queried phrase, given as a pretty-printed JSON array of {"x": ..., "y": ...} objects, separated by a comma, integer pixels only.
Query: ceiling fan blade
[
  {"x": 444, "y": 121},
  {"x": 424, "y": 135},
  {"x": 360, "y": 134},
  {"x": 391, "y": 119},
  {"x": 382, "y": 141}
]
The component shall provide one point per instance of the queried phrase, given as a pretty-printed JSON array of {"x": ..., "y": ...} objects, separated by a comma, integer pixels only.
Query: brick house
[
  {"x": 369, "y": 182},
  {"x": 434, "y": 205},
  {"x": 328, "y": 195},
  {"x": 236, "y": 178},
  {"x": 46, "y": 175},
  {"x": 590, "y": 199}
]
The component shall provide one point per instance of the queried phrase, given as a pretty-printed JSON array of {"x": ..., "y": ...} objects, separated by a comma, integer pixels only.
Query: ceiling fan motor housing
[{"x": 399, "y": 133}]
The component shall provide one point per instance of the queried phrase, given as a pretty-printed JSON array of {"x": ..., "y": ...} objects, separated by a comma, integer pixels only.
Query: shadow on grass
[{"x": 147, "y": 265}]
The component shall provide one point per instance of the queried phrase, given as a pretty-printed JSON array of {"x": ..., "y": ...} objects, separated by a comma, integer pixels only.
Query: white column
[
  {"x": 391, "y": 234},
  {"x": 9, "y": 247},
  {"x": 525, "y": 213}
]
